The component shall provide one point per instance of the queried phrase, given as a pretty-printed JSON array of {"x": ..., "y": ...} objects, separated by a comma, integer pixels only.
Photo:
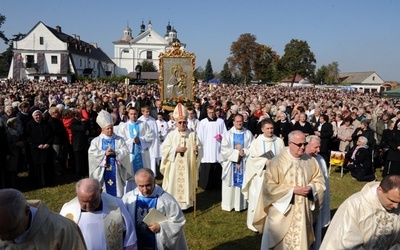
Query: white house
[
  {"x": 364, "y": 82},
  {"x": 46, "y": 53},
  {"x": 147, "y": 45}
]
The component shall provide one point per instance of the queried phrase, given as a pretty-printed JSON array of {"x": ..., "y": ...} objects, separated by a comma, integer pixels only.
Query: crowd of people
[{"x": 267, "y": 148}]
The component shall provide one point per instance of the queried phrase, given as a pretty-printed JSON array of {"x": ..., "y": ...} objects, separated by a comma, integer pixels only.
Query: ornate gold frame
[{"x": 177, "y": 81}]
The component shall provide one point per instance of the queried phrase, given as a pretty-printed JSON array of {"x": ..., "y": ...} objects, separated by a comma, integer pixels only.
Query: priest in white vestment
[
  {"x": 324, "y": 217},
  {"x": 164, "y": 233},
  {"x": 234, "y": 153},
  {"x": 154, "y": 149},
  {"x": 138, "y": 137},
  {"x": 179, "y": 161},
  {"x": 103, "y": 219},
  {"x": 368, "y": 219},
  {"x": 294, "y": 189},
  {"x": 262, "y": 150},
  {"x": 162, "y": 127},
  {"x": 109, "y": 157},
  {"x": 209, "y": 132}
]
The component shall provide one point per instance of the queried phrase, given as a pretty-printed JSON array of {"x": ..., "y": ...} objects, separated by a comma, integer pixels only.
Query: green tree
[
  {"x": 208, "y": 72},
  {"x": 199, "y": 73},
  {"x": 332, "y": 75},
  {"x": 298, "y": 60},
  {"x": 148, "y": 66},
  {"x": 226, "y": 75},
  {"x": 265, "y": 63},
  {"x": 243, "y": 56},
  {"x": 2, "y": 35}
]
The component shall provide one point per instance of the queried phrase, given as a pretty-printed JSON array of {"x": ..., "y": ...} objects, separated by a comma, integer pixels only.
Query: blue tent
[{"x": 214, "y": 81}]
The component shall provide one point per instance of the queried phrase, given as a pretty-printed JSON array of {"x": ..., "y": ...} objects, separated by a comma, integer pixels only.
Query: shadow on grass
[
  {"x": 23, "y": 184},
  {"x": 248, "y": 242}
]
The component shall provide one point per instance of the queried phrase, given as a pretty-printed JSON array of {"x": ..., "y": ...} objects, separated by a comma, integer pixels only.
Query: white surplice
[
  {"x": 112, "y": 221},
  {"x": 171, "y": 234},
  {"x": 232, "y": 197},
  {"x": 254, "y": 177}
]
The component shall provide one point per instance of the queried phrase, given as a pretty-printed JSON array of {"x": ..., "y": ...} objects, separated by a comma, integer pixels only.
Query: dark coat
[
  {"x": 369, "y": 134},
  {"x": 307, "y": 128},
  {"x": 40, "y": 133},
  {"x": 361, "y": 169},
  {"x": 60, "y": 133},
  {"x": 79, "y": 137},
  {"x": 282, "y": 129},
  {"x": 326, "y": 137}
]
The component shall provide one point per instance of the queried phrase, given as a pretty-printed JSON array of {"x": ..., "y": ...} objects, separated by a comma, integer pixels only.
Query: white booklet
[{"x": 154, "y": 216}]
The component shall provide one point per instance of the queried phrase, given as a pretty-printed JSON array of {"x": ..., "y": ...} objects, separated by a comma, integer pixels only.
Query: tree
[
  {"x": 298, "y": 60},
  {"x": 199, "y": 73},
  {"x": 6, "y": 56},
  {"x": 243, "y": 55},
  {"x": 208, "y": 72},
  {"x": 226, "y": 75},
  {"x": 2, "y": 36},
  {"x": 265, "y": 63},
  {"x": 332, "y": 76},
  {"x": 148, "y": 66}
]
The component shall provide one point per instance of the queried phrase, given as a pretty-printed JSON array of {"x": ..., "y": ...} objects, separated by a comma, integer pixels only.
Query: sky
[{"x": 359, "y": 35}]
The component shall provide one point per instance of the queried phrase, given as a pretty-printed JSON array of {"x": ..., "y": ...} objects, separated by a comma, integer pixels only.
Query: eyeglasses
[
  {"x": 299, "y": 144},
  {"x": 182, "y": 122}
]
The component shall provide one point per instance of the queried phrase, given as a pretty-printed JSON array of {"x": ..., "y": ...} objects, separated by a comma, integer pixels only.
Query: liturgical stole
[
  {"x": 238, "y": 167},
  {"x": 110, "y": 172},
  {"x": 136, "y": 153},
  {"x": 146, "y": 238}
]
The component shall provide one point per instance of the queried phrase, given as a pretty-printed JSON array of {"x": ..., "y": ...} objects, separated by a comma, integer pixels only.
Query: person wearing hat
[
  {"x": 179, "y": 161},
  {"x": 109, "y": 157},
  {"x": 40, "y": 137}
]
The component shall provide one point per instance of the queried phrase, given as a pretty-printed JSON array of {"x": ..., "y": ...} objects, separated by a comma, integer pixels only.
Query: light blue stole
[{"x": 136, "y": 154}]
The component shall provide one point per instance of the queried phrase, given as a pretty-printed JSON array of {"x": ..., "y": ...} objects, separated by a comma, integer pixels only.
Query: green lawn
[{"x": 212, "y": 228}]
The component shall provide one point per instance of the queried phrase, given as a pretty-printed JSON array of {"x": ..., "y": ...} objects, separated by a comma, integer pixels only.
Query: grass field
[{"x": 212, "y": 228}]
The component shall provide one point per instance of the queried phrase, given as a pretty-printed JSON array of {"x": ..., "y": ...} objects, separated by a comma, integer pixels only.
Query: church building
[{"x": 129, "y": 51}]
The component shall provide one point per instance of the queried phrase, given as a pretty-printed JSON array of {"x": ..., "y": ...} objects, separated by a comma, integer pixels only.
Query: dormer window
[
  {"x": 373, "y": 78},
  {"x": 41, "y": 40}
]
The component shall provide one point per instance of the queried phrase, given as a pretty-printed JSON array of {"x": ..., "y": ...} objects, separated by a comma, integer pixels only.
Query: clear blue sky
[{"x": 359, "y": 35}]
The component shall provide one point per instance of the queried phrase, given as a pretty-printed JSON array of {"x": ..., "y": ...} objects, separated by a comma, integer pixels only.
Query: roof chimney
[{"x": 58, "y": 28}]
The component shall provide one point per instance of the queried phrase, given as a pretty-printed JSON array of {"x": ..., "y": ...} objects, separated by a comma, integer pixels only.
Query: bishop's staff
[{"x": 196, "y": 143}]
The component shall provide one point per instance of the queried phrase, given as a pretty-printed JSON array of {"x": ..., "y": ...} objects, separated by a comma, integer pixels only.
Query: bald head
[{"x": 88, "y": 191}]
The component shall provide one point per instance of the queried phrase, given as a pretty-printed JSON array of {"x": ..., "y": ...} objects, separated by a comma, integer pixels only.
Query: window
[
  {"x": 373, "y": 78},
  {"x": 41, "y": 40},
  {"x": 149, "y": 55},
  {"x": 54, "y": 60},
  {"x": 80, "y": 62}
]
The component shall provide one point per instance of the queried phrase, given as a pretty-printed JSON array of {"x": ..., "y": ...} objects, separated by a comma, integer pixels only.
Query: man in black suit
[{"x": 158, "y": 109}]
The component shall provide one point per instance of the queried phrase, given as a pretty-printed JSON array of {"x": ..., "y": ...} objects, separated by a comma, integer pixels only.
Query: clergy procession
[{"x": 139, "y": 166}]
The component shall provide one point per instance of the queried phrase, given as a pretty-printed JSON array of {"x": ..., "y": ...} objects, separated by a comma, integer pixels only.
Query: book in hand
[
  {"x": 269, "y": 155},
  {"x": 154, "y": 216}
]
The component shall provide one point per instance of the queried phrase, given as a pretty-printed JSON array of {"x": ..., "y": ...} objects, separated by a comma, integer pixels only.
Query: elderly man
[
  {"x": 103, "y": 219},
  {"x": 31, "y": 225},
  {"x": 164, "y": 231},
  {"x": 234, "y": 153},
  {"x": 293, "y": 191},
  {"x": 262, "y": 150},
  {"x": 109, "y": 157},
  {"x": 368, "y": 219},
  {"x": 324, "y": 218},
  {"x": 179, "y": 161}
]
